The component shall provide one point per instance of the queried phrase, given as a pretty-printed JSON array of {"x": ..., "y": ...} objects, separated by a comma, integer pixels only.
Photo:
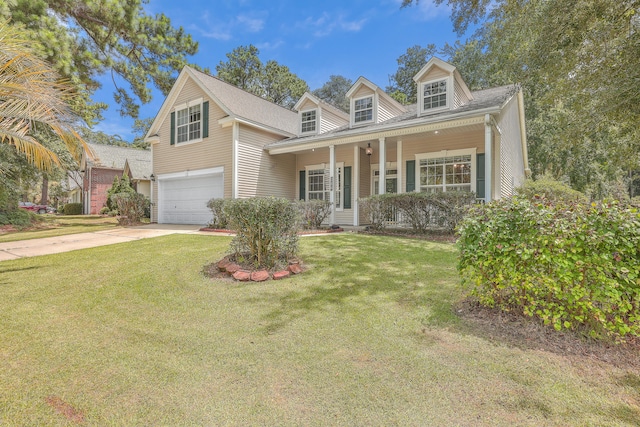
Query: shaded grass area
[
  {"x": 60, "y": 225},
  {"x": 134, "y": 334}
]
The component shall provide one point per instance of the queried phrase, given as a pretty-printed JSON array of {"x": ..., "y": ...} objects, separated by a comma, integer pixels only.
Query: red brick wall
[{"x": 101, "y": 181}]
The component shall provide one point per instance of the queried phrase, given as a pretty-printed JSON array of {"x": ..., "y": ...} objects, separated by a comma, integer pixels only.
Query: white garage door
[{"x": 183, "y": 200}]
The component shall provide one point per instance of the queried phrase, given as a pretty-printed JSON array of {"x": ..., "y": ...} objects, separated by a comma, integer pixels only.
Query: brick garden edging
[{"x": 240, "y": 274}]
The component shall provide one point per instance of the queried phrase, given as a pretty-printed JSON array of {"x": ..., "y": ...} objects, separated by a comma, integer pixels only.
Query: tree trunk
[{"x": 45, "y": 190}]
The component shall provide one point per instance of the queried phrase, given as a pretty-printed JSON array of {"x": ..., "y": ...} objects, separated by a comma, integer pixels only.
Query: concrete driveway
[{"x": 72, "y": 242}]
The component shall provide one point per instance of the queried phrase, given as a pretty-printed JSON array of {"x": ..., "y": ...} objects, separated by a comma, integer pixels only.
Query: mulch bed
[
  {"x": 231, "y": 270},
  {"x": 303, "y": 232},
  {"x": 529, "y": 333},
  {"x": 439, "y": 237}
]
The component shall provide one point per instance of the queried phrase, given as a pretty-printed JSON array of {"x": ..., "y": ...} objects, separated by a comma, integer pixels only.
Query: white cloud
[
  {"x": 225, "y": 30},
  {"x": 326, "y": 24},
  {"x": 253, "y": 25},
  {"x": 270, "y": 45}
]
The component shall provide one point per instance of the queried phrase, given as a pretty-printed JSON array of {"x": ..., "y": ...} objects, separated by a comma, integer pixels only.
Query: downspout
[
  {"x": 234, "y": 160},
  {"x": 523, "y": 135},
  {"x": 488, "y": 158}
]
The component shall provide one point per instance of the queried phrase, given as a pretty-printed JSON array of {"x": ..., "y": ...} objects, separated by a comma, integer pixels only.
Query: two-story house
[{"x": 211, "y": 139}]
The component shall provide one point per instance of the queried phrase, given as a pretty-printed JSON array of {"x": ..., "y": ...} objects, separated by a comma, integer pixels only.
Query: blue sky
[{"x": 315, "y": 39}]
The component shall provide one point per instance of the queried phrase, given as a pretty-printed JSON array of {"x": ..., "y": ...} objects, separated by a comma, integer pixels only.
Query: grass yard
[
  {"x": 135, "y": 334},
  {"x": 60, "y": 225}
]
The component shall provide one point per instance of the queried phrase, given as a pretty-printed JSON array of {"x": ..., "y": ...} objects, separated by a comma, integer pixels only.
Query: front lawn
[
  {"x": 135, "y": 334},
  {"x": 59, "y": 225}
]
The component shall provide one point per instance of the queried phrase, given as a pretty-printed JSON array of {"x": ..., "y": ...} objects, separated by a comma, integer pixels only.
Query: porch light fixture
[
  {"x": 153, "y": 178},
  {"x": 369, "y": 150}
]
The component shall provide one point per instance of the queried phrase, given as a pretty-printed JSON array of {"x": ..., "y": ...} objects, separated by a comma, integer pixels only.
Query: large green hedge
[{"x": 573, "y": 265}]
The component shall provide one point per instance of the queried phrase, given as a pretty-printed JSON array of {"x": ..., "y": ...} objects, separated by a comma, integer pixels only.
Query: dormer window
[
  {"x": 434, "y": 95},
  {"x": 363, "y": 110},
  {"x": 308, "y": 121}
]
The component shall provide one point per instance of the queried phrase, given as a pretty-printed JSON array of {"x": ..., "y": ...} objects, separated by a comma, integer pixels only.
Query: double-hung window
[
  {"x": 188, "y": 122},
  {"x": 319, "y": 183},
  {"x": 363, "y": 110},
  {"x": 434, "y": 95},
  {"x": 308, "y": 123},
  {"x": 446, "y": 173}
]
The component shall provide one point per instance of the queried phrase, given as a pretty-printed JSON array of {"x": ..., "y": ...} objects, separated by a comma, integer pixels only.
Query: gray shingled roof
[
  {"x": 482, "y": 99},
  {"x": 249, "y": 106},
  {"x": 113, "y": 157}
]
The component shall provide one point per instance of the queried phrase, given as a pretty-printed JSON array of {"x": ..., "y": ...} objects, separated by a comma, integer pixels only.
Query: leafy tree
[
  {"x": 86, "y": 38},
  {"x": 271, "y": 81},
  {"x": 140, "y": 129},
  {"x": 579, "y": 64},
  {"x": 334, "y": 92},
  {"x": 120, "y": 186},
  {"x": 409, "y": 63}
]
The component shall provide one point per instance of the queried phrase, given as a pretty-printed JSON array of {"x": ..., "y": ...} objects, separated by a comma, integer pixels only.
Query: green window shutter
[
  {"x": 173, "y": 128},
  {"x": 411, "y": 176},
  {"x": 480, "y": 176},
  {"x": 346, "y": 189},
  {"x": 205, "y": 119},
  {"x": 303, "y": 185}
]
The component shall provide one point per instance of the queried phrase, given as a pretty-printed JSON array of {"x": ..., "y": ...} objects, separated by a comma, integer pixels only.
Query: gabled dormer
[
  {"x": 369, "y": 104},
  {"x": 316, "y": 116},
  {"x": 440, "y": 88}
]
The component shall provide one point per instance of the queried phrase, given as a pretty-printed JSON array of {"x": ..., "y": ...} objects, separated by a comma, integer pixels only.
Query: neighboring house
[
  {"x": 103, "y": 164},
  {"x": 211, "y": 139}
]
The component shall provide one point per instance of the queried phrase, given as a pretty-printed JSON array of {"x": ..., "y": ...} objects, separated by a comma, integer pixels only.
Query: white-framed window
[
  {"x": 447, "y": 171},
  {"x": 434, "y": 95},
  {"x": 363, "y": 110},
  {"x": 308, "y": 121},
  {"x": 319, "y": 183},
  {"x": 189, "y": 122}
]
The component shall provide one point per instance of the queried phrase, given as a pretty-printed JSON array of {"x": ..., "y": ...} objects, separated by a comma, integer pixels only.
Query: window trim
[
  {"x": 186, "y": 106},
  {"x": 338, "y": 173},
  {"x": 316, "y": 121},
  {"x": 373, "y": 110},
  {"x": 376, "y": 168},
  {"x": 448, "y": 93},
  {"x": 444, "y": 154}
]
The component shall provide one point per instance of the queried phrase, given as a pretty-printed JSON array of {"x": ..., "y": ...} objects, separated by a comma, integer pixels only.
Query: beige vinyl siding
[
  {"x": 510, "y": 149},
  {"x": 260, "y": 174},
  {"x": 213, "y": 151},
  {"x": 386, "y": 110},
  {"x": 363, "y": 91},
  {"x": 459, "y": 97},
  {"x": 434, "y": 73},
  {"x": 420, "y": 144},
  {"x": 330, "y": 121},
  {"x": 307, "y": 105}
]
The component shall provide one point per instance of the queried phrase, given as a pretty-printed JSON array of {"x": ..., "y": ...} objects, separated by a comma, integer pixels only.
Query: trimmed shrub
[
  {"x": 421, "y": 211},
  {"x": 266, "y": 230},
  {"x": 73, "y": 209},
  {"x": 550, "y": 189},
  {"x": 131, "y": 207},
  {"x": 572, "y": 265},
  {"x": 314, "y": 212},
  {"x": 219, "y": 218}
]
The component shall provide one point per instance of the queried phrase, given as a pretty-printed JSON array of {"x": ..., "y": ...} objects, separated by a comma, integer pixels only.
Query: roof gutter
[
  {"x": 230, "y": 120},
  {"x": 392, "y": 130},
  {"x": 523, "y": 134}
]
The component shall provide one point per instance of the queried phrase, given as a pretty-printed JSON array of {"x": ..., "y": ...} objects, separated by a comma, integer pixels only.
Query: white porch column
[
  {"x": 488, "y": 158},
  {"x": 355, "y": 185},
  {"x": 399, "y": 162},
  {"x": 382, "y": 177},
  {"x": 332, "y": 183},
  {"x": 234, "y": 160}
]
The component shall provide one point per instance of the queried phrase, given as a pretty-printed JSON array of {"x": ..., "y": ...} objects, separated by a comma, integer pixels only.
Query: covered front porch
[{"x": 435, "y": 158}]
